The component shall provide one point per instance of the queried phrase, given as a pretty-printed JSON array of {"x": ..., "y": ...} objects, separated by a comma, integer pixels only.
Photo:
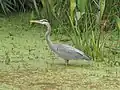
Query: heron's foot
[{"x": 66, "y": 62}]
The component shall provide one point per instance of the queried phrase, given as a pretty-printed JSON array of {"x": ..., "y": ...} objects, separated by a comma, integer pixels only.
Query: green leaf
[
  {"x": 102, "y": 7},
  {"x": 36, "y": 8},
  {"x": 118, "y": 22},
  {"x": 81, "y": 4},
  {"x": 72, "y": 8},
  {"x": 51, "y": 3}
]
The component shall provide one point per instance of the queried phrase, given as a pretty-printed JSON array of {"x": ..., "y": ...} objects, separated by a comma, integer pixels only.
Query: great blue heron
[{"x": 62, "y": 50}]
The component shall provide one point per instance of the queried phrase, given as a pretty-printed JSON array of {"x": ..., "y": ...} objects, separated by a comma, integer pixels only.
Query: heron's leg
[{"x": 66, "y": 62}]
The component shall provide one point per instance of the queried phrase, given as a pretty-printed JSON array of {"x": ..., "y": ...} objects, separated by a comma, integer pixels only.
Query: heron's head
[{"x": 42, "y": 21}]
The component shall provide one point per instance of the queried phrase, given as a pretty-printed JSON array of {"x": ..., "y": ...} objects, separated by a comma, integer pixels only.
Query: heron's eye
[{"x": 46, "y": 20}]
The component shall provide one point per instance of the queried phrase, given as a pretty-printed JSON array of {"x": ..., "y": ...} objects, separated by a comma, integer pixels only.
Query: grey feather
[{"x": 68, "y": 52}]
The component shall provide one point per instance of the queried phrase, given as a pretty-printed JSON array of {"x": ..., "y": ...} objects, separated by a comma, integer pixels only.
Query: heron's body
[
  {"x": 62, "y": 50},
  {"x": 68, "y": 52}
]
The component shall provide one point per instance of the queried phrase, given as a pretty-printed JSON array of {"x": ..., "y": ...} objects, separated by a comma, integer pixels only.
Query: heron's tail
[{"x": 87, "y": 57}]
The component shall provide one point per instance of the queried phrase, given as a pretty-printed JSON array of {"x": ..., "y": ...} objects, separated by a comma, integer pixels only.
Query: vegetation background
[{"x": 92, "y": 26}]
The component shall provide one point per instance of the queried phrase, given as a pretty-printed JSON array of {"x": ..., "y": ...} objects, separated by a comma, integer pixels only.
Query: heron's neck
[{"x": 47, "y": 35}]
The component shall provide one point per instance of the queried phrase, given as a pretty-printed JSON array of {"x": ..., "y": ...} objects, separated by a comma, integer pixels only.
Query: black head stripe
[{"x": 44, "y": 20}]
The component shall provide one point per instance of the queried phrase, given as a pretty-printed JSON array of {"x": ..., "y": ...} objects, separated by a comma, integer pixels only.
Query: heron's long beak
[{"x": 34, "y": 21}]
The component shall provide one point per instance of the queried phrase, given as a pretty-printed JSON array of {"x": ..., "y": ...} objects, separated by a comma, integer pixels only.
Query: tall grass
[
  {"x": 89, "y": 34},
  {"x": 10, "y": 6},
  {"x": 86, "y": 32}
]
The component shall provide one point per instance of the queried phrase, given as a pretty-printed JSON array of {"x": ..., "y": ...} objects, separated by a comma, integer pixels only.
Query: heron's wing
[{"x": 70, "y": 51}]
